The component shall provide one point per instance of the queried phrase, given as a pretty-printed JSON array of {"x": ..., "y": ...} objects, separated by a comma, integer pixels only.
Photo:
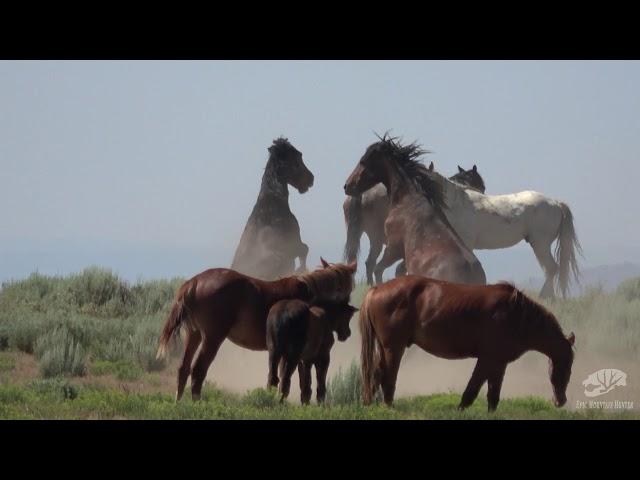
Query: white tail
[{"x": 565, "y": 254}]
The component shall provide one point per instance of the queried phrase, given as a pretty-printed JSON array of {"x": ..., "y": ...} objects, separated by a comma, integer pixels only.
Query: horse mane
[
  {"x": 281, "y": 145},
  {"x": 532, "y": 317},
  {"x": 407, "y": 159},
  {"x": 331, "y": 284}
]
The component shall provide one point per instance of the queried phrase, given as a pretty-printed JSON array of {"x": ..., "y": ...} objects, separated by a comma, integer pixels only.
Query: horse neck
[
  {"x": 451, "y": 189},
  {"x": 549, "y": 341},
  {"x": 397, "y": 187},
  {"x": 273, "y": 187},
  {"x": 289, "y": 287}
]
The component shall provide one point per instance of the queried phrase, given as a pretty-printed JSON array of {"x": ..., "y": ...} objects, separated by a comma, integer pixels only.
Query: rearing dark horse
[
  {"x": 416, "y": 228},
  {"x": 271, "y": 239}
]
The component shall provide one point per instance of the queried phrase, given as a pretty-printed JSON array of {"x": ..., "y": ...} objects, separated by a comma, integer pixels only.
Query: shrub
[
  {"x": 345, "y": 387},
  {"x": 60, "y": 353},
  {"x": 629, "y": 289},
  {"x": 262, "y": 398},
  {"x": 98, "y": 290},
  {"x": 144, "y": 346},
  {"x": 22, "y": 333}
]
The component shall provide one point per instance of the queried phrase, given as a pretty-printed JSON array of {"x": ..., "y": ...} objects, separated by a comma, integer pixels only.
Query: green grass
[
  {"x": 121, "y": 369},
  {"x": 95, "y": 323},
  {"x": 60, "y": 399},
  {"x": 7, "y": 363}
]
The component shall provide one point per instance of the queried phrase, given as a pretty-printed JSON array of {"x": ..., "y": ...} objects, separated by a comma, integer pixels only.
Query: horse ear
[
  {"x": 431, "y": 167},
  {"x": 571, "y": 338},
  {"x": 354, "y": 309},
  {"x": 475, "y": 169},
  {"x": 324, "y": 263},
  {"x": 460, "y": 169}
]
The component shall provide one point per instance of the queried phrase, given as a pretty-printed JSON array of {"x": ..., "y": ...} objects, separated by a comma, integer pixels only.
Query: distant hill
[{"x": 606, "y": 276}]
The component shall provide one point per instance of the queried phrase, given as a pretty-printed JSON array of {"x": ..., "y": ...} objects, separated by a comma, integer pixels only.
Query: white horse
[{"x": 486, "y": 222}]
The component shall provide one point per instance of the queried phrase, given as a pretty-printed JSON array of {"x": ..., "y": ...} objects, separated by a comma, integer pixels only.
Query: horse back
[
  {"x": 449, "y": 320},
  {"x": 287, "y": 326}
]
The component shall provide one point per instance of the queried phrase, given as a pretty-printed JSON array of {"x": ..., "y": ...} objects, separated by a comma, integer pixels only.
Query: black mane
[
  {"x": 407, "y": 158},
  {"x": 281, "y": 146}
]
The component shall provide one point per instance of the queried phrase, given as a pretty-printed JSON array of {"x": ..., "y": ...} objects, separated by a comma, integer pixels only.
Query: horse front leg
[
  {"x": 391, "y": 255},
  {"x": 478, "y": 377},
  {"x": 322, "y": 367},
  {"x": 495, "y": 378}
]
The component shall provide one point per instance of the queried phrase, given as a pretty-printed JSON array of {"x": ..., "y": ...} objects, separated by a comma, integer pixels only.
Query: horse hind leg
[
  {"x": 304, "y": 374},
  {"x": 210, "y": 346},
  {"x": 302, "y": 257},
  {"x": 390, "y": 366},
  {"x": 192, "y": 341},
  {"x": 542, "y": 251},
  {"x": 289, "y": 367},
  {"x": 375, "y": 248},
  {"x": 274, "y": 360}
]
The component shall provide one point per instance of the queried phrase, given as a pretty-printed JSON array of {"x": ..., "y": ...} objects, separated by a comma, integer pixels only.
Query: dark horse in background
[
  {"x": 416, "y": 228},
  {"x": 271, "y": 241},
  {"x": 366, "y": 213},
  {"x": 220, "y": 303},
  {"x": 494, "y": 323}
]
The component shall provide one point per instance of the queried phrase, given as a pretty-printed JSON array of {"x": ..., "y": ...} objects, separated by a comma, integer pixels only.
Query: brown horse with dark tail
[
  {"x": 221, "y": 303},
  {"x": 494, "y": 323}
]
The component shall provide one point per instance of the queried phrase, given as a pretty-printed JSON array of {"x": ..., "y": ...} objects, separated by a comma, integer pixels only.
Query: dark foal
[{"x": 301, "y": 335}]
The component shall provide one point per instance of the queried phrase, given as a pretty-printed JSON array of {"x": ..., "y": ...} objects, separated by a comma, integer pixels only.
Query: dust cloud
[{"x": 240, "y": 370}]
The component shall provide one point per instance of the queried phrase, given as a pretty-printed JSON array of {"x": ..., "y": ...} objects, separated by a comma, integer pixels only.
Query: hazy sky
[{"x": 152, "y": 168}]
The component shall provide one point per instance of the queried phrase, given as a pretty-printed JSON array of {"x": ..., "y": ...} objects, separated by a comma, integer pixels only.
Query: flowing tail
[
  {"x": 566, "y": 248},
  {"x": 370, "y": 353},
  {"x": 178, "y": 315},
  {"x": 353, "y": 218}
]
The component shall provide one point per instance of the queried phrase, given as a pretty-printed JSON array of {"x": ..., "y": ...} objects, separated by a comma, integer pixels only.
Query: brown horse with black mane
[
  {"x": 494, "y": 323},
  {"x": 221, "y": 303},
  {"x": 366, "y": 213},
  {"x": 271, "y": 241},
  {"x": 416, "y": 228}
]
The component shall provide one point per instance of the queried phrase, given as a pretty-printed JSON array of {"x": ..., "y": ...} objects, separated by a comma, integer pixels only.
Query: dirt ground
[{"x": 420, "y": 373}]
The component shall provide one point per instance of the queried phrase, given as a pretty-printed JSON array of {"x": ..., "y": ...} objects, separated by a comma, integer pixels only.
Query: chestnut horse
[
  {"x": 494, "y": 323},
  {"x": 221, "y": 303},
  {"x": 366, "y": 213},
  {"x": 271, "y": 241},
  {"x": 416, "y": 229}
]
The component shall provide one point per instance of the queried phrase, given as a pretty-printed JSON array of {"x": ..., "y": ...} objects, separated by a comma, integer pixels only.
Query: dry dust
[{"x": 239, "y": 370}]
